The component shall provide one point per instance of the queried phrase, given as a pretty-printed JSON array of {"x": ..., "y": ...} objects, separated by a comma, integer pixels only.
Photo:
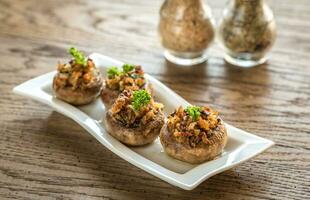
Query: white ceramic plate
[{"x": 241, "y": 145}]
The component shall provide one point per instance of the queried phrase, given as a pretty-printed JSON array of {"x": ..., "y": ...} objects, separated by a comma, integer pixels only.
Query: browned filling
[
  {"x": 76, "y": 75},
  {"x": 125, "y": 112},
  {"x": 193, "y": 129},
  {"x": 131, "y": 80}
]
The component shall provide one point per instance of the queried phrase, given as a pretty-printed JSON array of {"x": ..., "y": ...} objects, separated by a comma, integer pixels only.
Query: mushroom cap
[
  {"x": 198, "y": 154},
  {"x": 136, "y": 136},
  {"x": 108, "y": 96},
  {"x": 78, "y": 96}
]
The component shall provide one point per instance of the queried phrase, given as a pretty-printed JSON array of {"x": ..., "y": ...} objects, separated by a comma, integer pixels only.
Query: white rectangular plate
[{"x": 241, "y": 145}]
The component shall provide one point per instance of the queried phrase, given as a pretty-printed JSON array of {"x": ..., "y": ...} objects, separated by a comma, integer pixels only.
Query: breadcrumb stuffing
[{"x": 188, "y": 129}]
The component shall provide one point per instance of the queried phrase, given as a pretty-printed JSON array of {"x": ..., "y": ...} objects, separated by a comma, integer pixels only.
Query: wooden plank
[{"x": 44, "y": 155}]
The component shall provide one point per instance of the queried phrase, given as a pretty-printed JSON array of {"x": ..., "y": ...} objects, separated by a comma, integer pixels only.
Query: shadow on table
[
  {"x": 185, "y": 80},
  {"x": 172, "y": 69},
  {"x": 219, "y": 83},
  {"x": 260, "y": 72}
]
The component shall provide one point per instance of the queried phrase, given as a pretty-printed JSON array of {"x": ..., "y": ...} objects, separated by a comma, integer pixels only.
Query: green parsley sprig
[
  {"x": 140, "y": 98},
  {"x": 113, "y": 71},
  {"x": 193, "y": 112},
  {"x": 128, "y": 67},
  {"x": 78, "y": 56}
]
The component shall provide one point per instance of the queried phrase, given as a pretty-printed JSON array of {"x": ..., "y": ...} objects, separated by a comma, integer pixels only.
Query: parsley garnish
[
  {"x": 140, "y": 98},
  {"x": 128, "y": 67},
  {"x": 113, "y": 71},
  {"x": 78, "y": 56},
  {"x": 193, "y": 111}
]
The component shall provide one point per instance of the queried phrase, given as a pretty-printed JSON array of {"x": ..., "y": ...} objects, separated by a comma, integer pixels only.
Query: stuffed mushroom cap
[
  {"x": 131, "y": 77},
  {"x": 135, "y": 118},
  {"x": 78, "y": 82},
  {"x": 194, "y": 135}
]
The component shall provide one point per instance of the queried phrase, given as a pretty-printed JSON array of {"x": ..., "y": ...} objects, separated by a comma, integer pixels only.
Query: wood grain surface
[{"x": 44, "y": 155}]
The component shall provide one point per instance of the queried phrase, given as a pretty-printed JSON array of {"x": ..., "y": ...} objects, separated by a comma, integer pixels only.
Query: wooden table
[{"x": 44, "y": 155}]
